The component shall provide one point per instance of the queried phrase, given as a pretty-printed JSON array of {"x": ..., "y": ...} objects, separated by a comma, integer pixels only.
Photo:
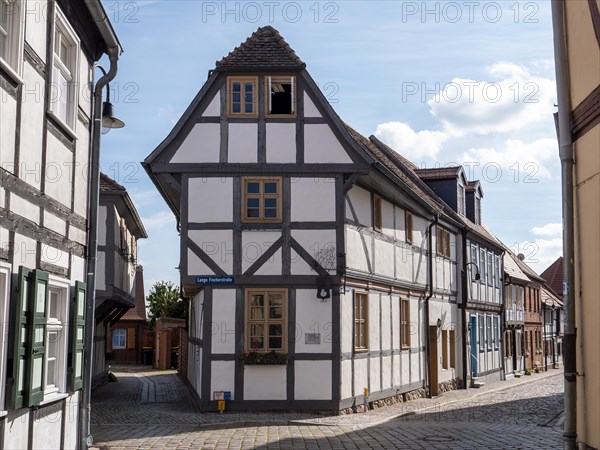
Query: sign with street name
[{"x": 215, "y": 280}]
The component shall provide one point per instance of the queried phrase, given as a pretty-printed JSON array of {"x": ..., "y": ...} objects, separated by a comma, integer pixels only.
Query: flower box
[{"x": 260, "y": 358}]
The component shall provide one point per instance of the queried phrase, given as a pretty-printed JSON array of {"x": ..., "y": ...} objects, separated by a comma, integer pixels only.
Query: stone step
[{"x": 477, "y": 383}]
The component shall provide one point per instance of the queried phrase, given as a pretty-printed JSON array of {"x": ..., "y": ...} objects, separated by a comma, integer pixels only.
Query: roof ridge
[{"x": 108, "y": 184}]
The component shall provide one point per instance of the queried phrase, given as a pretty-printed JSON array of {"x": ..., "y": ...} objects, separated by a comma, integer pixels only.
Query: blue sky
[{"x": 441, "y": 82}]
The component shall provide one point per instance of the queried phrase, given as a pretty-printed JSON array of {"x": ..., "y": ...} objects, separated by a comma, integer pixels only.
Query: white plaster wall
[
  {"x": 400, "y": 232},
  {"x": 347, "y": 318},
  {"x": 243, "y": 143},
  {"x": 361, "y": 202},
  {"x": 210, "y": 200},
  {"x": 404, "y": 263},
  {"x": 17, "y": 424},
  {"x": 310, "y": 110},
  {"x": 313, "y": 316},
  {"x": 374, "y": 329},
  {"x": 386, "y": 372},
  {"x": 384, "y": 258},
  {"x": 298, "y": 266},
  {"x": 3, "y": 238},
  {"x": 25, "y": 251},
  {"x": 254, "y": 245},
  {"x": 321, "y": 145},
  {"x": 222, "y": 377},
  {"x": 46, "y": 429},
  {"x": 202, "y": 145},
  {"x": 85, "y": 95},
  {"x": 35, "y": 28},
  {"x": 420, "y": 267},
  {"x": 8, "y": 114},
  {"x": 80, "y": 181},
  {"x": 214, "y": 107},
  {"x": 56, "y": 224},
  {"x": 420, "y": 231},
  {"x": 313, "y": 199},
  {"x": 195, "y": 368},
  {"x": 196, "y": 266},
  {"x": 223, "y": 321},
  {"x": 395, "y": 318},
  {"x": 386, "y": 323},
  {"x": 55, "y": 256},
  {"x": 281, "y": 143},
  {"x": 387, "y": 218},
  {"x": 313, "y": 380},
  {"x": 77, "y": 268},
  {"x": 316, "y": 241},
  {"x": 23, "y": 208},
  {"x": 31, "y": 129},
  {"x": 360, "y": 376},
  {"x": 356, "y": 257},
  {"x": 415, "y": 369},
  {"x": 102, "y": 225},
  {"x": 405, "y": 367},
  {"x": 71, "y": 417},
  {"x": 265, "y": 382},
  {"x": 346, "y": 388},
  {"x": 375, "y": 371},
  {"x": 218, "y": 244}
]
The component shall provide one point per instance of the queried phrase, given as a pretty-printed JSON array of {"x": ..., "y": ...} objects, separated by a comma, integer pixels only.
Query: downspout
[
  {"x": 113, "y": 50},
  {"x": 464, "y": 292},
  {"x": 429, "y": 295},
  {"x": 567, "y": 162}
]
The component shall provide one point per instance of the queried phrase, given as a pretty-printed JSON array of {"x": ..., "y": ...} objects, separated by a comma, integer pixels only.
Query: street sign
[{"x": 215, "y": 280}]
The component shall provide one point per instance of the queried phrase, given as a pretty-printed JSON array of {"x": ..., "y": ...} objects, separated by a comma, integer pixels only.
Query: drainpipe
[
  {"x": 567, "y": 162},
  {"x": 113, "y": 50},
  {"x": 429, "y": 295},
  {"x": 464, "y": 293}
]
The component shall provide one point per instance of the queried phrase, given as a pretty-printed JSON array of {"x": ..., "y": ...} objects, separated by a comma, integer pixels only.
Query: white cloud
[
  {"x": 541, "y": 253},
  {"x": 527, "y": 161},
  {"x": 159, "y": 220},
  {"x": 414, "y": 145},
  {"x": 550, "y": 229}
]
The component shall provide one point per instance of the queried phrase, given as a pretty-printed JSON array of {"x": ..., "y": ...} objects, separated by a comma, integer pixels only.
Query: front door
[
  {"x": 433, "y": 359},
  {"x": 474, "y": 352}
]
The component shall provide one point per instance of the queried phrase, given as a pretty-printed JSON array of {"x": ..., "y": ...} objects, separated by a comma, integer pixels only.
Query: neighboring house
[
  {"x": 553, "y": 276},
  {"x": 482, "y": 298},
  {"x": 47, "y": 52},
  {"x": 577, "y": 48},
  {"x": 552, "y": 309},
  {"x": 322, "y": 271},
  {"x": 126, "y": 335},
  {"x": 515, "y": 284},
  {"x": 119, "y": 229},
  {"x": 534, "y": 350}
]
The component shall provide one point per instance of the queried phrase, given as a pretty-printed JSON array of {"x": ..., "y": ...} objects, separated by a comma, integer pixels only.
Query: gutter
[
  {"x": 429, "y": 295},
  {"x": 567, "y": 163},
  {"x": 113, "y": 50},
  {"x": 463, "y": 313}
]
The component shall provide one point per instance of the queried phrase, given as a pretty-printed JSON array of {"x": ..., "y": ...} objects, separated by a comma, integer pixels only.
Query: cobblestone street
[{"x": 153, "y": 410}]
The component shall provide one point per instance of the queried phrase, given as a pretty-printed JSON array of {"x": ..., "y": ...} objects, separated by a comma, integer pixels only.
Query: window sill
[
  {"x": 3, "y": 413},
  {"x": 64, "y": 127},
  {"x": 12, "y": 72},
  {"x": 52, "y": 398}
]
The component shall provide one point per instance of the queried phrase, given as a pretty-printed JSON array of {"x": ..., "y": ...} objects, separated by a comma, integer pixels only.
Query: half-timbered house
[
  {"x": 515, "y": 284},
  {"x": 47, "y": 52},
  {"x": 323, "y": 272}
]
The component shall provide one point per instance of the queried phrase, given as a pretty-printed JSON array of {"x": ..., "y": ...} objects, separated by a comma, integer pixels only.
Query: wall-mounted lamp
[
  {"x": 324, "y": 287},
  {"x": 109, "y": 121},
  {"x": 477, "y": 274},
  {"x": 439, "y": 323}
]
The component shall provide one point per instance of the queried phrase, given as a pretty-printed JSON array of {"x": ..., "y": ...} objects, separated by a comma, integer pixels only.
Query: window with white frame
[
  {"x": 482, "y": 265},
  {"x": 56, "y": 340},
  {"x": 481, "y": 322},
  {"x": 496, "y": 332},
  {"x": 477, "y": 210},
  {"x": 488, "y": 332},
  {"x": 63, "y": 98},
  {"x": 474, "y": 260},
  {"x": 119, "y": 339},
  {"x": 460, "y": 199},
  {"x": 280, "y": 96},
  {"x": 11, "y": 39},
  {"x": 498, "y": 271},
  {"x": 490, "y": 268}
]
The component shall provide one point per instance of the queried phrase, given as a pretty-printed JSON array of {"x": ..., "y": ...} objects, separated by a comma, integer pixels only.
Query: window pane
[
  {"x": 236, "y": 87},
  {"x": 236, "y": 108},
  {"x": 281, "y": 98},
  {"x": 275, "y": 343},
  {"x": 256, "y": 313},
  {"x": 270, "y": 188},
  {"x": 237, "y": 97},
  {"x": 270, "y": 213},
  {"x": 248, "y": 88},
  {"x": 270, "y": 203},
  {"x": 252, "y": 213},
  {"x": 252, "y": 188},
  {"x": 248, "y": 108}
]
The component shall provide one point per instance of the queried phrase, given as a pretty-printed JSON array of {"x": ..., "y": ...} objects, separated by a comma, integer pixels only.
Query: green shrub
[{"x": 527, "y": 371}]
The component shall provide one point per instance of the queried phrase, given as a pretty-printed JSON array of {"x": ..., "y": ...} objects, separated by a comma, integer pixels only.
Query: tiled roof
[
  {"x": 108, "y": 184},
  {"x": 554, "y": 276},
  {"x": 511, "y": 267},
  {"x": 438, "y": 173},
  {"x": 138, "y": 312},
  {"x": 264, "y": 48},
  {"x": 529, "y": 271},
  {"x": 549, "y": 297}
]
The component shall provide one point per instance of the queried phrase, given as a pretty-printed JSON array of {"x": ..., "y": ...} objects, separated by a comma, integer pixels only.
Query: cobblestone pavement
[{"x": 153, "y": 410}]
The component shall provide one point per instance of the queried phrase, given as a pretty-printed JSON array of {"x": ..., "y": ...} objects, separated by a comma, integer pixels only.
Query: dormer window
[
  {"x": 460, "y": 199},
  {"x": 280, "y": 96},
  {"x": 241, "y": 96}
]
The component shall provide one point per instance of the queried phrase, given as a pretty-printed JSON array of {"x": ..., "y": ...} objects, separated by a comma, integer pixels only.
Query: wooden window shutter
[
  {"x": 37, "y": 338},
  {"x": 21, "y": 318},
  {"x": 130, "y": 338},
  {"x": 78, "y": 307}
]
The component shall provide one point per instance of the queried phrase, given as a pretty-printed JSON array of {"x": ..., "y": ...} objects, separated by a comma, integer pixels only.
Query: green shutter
[
  {"x": 77, "y": 336},
  {"x": 37, "y": 338},
  {"x": 21, "y": 322}
]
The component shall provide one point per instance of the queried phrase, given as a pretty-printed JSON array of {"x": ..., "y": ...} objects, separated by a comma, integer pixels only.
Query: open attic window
[{"x": 281, "y": 96}]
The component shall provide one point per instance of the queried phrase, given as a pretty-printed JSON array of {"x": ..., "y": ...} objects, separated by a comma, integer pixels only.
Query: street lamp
[{"x": 477, "y": 274}]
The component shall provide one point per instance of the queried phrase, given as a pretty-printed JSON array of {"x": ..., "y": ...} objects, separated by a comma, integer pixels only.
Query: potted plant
[{"x": 256, "y": 357}]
